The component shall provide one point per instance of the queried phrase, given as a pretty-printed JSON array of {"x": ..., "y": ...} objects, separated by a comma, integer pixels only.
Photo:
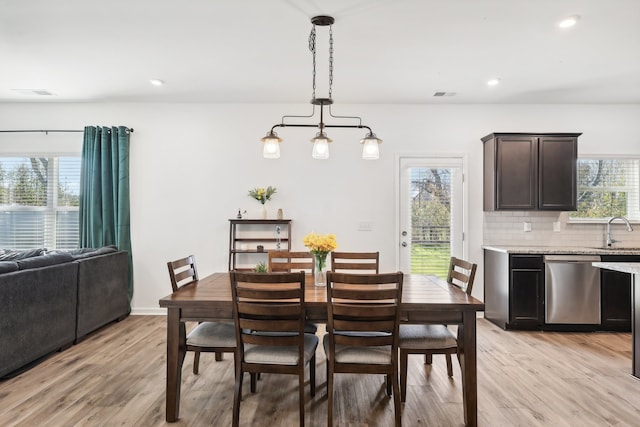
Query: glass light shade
[
  {"x": 271, "y": 149},
  {"x": 370, "y": 149},
  {"x": 320, "y": 146}
]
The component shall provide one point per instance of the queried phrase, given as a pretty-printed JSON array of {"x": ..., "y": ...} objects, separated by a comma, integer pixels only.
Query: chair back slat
[
  {"x": 281, "y": 292},
  {"x": 369, "y": 311},
  {"x": 462, "y": 274},
  {"x": 272, "y": 310},
  {"x": 290, "y": 325},
  {"x": 355, "y": 262},
  {"x": 182, "y": 272},
  {"x": 357, "y": 325},
  {"x": 364, "y": 340},
  {"x": 289, "y": 261},
  {"x": 271, "y": 340},
  {"x": 373, "y": 293}
]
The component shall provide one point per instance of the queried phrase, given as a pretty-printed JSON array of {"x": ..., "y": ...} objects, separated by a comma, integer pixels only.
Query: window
[
  {"x": 39, "y": 199},
  {"x": 608, "y": 187}
]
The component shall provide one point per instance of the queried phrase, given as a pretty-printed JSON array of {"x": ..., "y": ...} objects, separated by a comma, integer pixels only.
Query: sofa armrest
[{"x": 103, "y": 282}]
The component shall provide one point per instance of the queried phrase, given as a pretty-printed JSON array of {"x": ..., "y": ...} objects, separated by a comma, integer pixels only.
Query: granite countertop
[
  {"x": 625, "y": 267},
  {"x": 573, "y": 250}
]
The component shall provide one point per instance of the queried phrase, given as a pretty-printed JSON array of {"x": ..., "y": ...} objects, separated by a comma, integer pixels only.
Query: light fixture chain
[
  {"x": 312, "y": 48},
  {"x": 330, "y": 61}
]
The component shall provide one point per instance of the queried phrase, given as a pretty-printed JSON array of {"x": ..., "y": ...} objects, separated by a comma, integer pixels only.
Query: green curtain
[{"x": 104, "y": 191}]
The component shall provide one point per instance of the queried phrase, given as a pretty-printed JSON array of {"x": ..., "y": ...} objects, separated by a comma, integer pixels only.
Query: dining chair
[
  {"x": 363, "y": 312},
  {"x": 351, "y": 262},
  {"x": 290, "y": 261},
  {"x": 435, "y": 339},
  {"x": 269, "y": 315},
  {"x": 216, "y": 337}
]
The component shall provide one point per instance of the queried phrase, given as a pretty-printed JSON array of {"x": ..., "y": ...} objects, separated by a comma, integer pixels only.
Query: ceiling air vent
[
  {"x": 39, "y": 92},
  {"x": 444, "y": 94}
]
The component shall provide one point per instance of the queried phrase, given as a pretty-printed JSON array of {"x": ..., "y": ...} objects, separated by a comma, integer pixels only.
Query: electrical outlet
[{"x": 527, "y": 226}]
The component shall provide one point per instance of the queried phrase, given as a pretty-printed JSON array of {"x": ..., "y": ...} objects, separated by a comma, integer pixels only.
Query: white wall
[{"x": 192, "y": 165}]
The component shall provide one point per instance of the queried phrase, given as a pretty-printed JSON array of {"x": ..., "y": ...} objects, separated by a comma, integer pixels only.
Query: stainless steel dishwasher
[{"x": 572, "y": 289}]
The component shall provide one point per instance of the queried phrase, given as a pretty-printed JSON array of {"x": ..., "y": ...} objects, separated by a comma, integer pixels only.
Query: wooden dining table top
[{"x": 420, "y": 294}]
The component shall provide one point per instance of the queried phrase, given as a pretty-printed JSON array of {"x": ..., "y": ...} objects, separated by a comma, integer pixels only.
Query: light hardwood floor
[{"x": 117, "y": 377}]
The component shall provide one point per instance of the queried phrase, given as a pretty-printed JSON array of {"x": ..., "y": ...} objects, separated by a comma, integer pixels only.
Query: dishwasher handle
[{"x": 571, "y": 258}]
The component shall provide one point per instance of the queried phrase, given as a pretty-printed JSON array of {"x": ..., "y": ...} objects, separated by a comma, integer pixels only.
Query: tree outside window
[
  {"x": 607, "y": 188},
  {"x": 39, "y": 199}
]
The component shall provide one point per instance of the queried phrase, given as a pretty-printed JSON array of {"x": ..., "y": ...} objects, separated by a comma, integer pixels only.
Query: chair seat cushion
[
  {"x": 280, "y": 355},
  {"x": 310, "y": 328},
  {"x": 426, "y": 337},
  {"x": 213, "y": 334},
  {"x": 361, "y": 355}
]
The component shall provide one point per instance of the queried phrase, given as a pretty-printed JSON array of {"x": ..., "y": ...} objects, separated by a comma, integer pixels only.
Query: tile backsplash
[{"x": 507, "y": 229}]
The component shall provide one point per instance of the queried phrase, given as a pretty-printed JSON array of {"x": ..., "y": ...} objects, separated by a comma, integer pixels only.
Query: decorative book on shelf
[{"x": 250, "y": 240}]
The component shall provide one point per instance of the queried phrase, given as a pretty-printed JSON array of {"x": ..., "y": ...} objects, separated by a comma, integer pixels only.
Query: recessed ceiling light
[
  {"x": 493, "y": 82},
  {"x": 569, "y": 21},
  {"x": 156, "y": 82}
]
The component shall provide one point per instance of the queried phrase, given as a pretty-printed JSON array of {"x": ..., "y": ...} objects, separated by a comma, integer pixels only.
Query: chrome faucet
[{"x": 626, "y": 221}]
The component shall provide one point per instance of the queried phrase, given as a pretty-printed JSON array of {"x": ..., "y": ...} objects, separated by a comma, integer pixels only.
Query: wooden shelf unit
[{"x": 254, "y": 232}]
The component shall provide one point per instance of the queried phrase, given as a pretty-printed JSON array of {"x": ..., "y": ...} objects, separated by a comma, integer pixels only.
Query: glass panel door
[{"x": 431, "y": 214}]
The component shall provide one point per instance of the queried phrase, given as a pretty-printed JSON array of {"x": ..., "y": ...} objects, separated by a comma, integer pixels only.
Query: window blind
[
  {"x": 39, "y": 199},
  {"x": 608, "y": 187}
]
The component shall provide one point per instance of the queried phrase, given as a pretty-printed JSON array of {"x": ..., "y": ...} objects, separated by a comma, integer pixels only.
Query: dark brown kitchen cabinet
[
  {"x": 514, "y": 290},
  {"x": 524, "y": 171},
  {"x": 526, "y": 290},
  {"x": 615, "y": 295}
]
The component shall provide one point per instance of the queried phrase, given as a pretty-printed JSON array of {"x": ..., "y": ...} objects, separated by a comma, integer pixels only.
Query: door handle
[{"x": 404, "y": 244}]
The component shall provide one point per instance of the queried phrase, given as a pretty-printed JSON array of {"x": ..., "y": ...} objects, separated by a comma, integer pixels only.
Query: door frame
[{"x": 398, "y": 158}]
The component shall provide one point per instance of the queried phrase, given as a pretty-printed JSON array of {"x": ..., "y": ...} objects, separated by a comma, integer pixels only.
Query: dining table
[{"x": 425, "y": 299}]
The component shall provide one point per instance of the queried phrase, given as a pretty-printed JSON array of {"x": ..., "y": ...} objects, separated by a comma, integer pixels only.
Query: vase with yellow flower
[
  {"x": 262, "y": 195},
  {"x": 320, "y": 245}
]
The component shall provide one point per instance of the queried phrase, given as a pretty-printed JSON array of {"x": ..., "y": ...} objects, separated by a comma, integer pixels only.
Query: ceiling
[{"x": 256, "y": 51}]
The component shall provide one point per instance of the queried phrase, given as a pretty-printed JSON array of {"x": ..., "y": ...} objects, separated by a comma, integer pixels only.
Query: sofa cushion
[
  {"x": 44, "y": 260},
  {"x": 95, "y": 252},
  {"x": 13, "y": 255},
  {"x": 8, "y": 266}
]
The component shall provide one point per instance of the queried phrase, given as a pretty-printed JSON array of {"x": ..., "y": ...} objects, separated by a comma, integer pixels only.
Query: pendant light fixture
[{"x": 370, "y": 149}]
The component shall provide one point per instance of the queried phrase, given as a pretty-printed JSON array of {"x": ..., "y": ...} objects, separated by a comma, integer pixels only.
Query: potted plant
[{"x": 261, "y": 267}]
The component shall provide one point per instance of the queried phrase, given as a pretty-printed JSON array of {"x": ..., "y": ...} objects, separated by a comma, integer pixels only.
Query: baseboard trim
[{"x": 148, "y": 311}]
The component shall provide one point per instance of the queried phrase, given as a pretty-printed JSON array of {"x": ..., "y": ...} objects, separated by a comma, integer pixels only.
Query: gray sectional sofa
[{"x": 48, "y": 301}]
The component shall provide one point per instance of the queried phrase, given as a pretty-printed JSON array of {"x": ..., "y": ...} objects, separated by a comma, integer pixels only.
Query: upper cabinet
[{"x": 525, "y": 171}]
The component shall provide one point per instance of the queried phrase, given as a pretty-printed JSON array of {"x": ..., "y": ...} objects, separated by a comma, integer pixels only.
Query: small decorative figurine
[
  {"x": 239, "y": 216},
  {"x": 260, "y": 248}
]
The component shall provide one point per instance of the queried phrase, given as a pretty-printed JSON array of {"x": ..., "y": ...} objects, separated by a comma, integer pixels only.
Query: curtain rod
[{"x": 48, "y": 130}]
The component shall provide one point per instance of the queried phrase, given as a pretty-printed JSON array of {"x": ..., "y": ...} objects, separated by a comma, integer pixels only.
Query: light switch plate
[
  {"x": 556, "y": 226},
  {"x": 527, "y": 226},
  {"x": 365, "y": 226}
]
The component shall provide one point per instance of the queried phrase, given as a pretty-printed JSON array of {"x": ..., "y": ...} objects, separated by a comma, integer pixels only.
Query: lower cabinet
[
  {"x": 514, "y": 290},
  {"x": 526, "y": 290},
  {"x": 615, "y": 294}
]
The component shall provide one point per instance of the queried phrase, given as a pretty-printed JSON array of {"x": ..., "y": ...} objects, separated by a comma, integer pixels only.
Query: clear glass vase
[{"x": 320, "y": 260}]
